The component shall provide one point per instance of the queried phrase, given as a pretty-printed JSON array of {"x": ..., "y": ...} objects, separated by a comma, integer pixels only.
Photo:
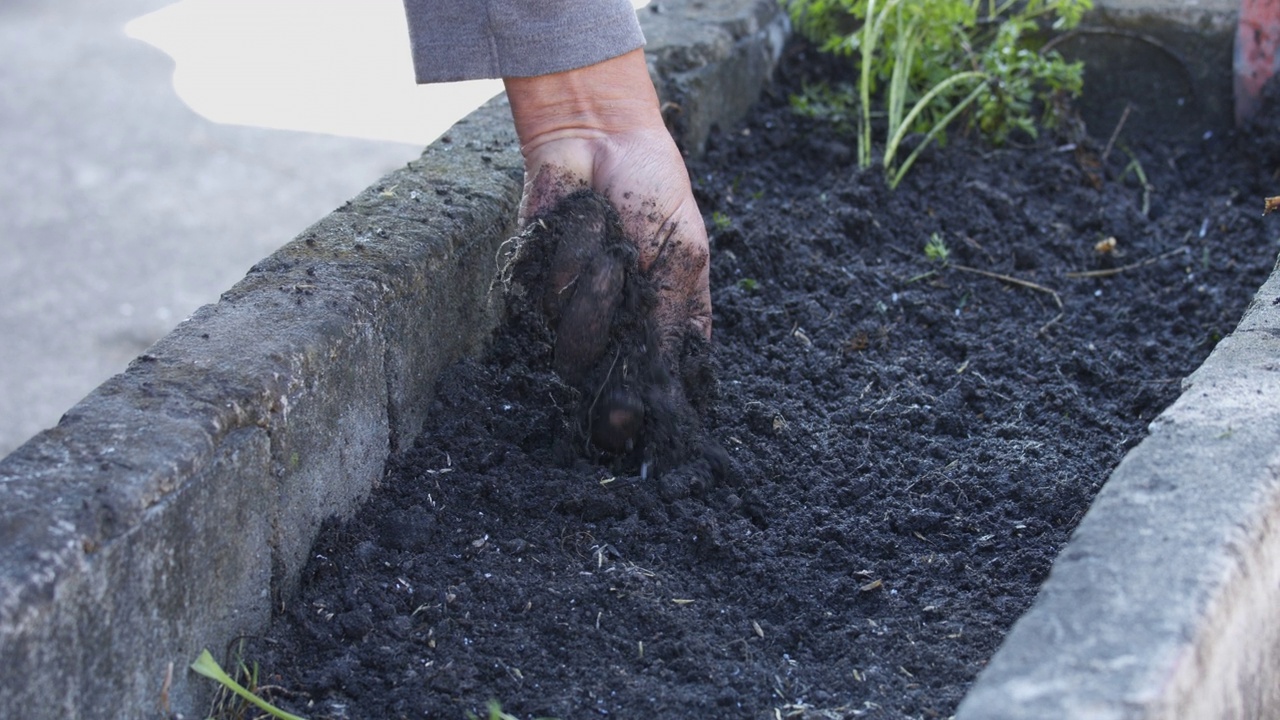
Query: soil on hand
[
  {"x": 911, "y": 440},
  {"x": 571, "y": 281}
]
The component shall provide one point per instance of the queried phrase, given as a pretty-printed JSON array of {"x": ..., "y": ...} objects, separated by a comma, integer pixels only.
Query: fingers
[
  {"x": 583, "y": 329},
  {"x": 677, "y": 260},
  {"x": 618, "y": 421},
  {"x": 645, "y": 180},
  {"x": 584, "y": 279},
  {"x": 684, "y": 297}
]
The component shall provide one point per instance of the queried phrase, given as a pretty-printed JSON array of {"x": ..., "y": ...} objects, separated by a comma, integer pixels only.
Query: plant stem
[
  {"x": 1010, "y": 279},
  {"x": 891, "y": 148},
  {"x": 871, "y": 32},
  {"x": 904, "y": 56},
  {"x": 906, "y": 165},
  {"x": 1117, "y": 270},
  {"x": 1136, "y": 166},
  {"x": 864, "y": 86}
]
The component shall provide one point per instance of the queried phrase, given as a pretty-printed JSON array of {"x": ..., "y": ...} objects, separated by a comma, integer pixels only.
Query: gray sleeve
[{"x": 472, "y": 39}]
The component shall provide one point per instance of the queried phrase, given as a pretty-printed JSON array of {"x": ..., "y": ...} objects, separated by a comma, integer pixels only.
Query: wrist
[{"x": 610, "y": 98}]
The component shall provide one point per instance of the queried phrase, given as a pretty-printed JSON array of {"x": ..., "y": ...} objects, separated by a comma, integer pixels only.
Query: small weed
[
  {"x": 936, "y": 249},
  {"x": 205, "y": 665},
  {"x": 749, "y": 284},
  {"x": 721, "y": 221},
  {"x": 1135, "y": 166}
]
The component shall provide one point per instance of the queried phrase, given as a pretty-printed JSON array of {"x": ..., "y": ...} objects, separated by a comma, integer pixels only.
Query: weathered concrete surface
[
  {"x": 1163, "y": 604},
  {"x": 1168, "y": 61},
  {"x": 708, "y": 73},
  {"x": 166, "y": 510},
  {"x": 173, "y": 507}
]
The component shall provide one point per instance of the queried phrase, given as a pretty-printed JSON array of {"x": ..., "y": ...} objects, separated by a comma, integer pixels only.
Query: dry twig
[
  {"x": 1117, "y": 270},
  {"x": 1009, "y": 279},
  {"x": 1128, "y": 107}
]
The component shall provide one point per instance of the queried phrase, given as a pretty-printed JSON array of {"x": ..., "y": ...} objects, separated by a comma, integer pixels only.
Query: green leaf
[
  {"x": 908, "y": 54},
  {"x": 208, "y": 667}
]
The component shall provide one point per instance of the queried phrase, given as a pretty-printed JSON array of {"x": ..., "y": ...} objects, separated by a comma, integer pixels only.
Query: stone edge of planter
[
  {"x": 1156, "y": 68},
  {"x": 1162, "y": 603},
  {"x": 172, "y": 508}
]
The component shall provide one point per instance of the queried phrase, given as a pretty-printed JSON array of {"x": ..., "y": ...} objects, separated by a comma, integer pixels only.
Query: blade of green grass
[{"x": 208, "y": 667}]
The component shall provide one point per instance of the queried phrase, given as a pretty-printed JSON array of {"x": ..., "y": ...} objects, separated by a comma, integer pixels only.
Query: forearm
[{"x": 470, "y": 39}]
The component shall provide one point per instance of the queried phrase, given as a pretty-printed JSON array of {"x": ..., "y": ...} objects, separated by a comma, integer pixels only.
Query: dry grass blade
[
  {"x": 1117, "y": 270},
  {"x": 1128, "y": 107},
  {"x": 1010, "y": 279}
]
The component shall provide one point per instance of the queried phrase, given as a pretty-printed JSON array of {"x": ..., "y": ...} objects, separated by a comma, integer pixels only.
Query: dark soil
[{"x": 910, "y": 444}]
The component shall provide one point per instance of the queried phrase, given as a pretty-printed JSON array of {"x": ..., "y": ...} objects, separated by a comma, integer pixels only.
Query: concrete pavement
[{"x": 122, "y": 210}]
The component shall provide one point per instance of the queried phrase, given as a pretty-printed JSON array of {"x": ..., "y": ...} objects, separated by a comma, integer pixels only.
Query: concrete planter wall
[{"x": 172, "y": 508}]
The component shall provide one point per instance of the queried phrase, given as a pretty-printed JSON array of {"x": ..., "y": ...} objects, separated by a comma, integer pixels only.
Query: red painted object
[{"x": 1257, "y": 37}]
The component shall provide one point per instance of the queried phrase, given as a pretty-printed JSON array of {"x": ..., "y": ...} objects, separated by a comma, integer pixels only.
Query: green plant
[
  {"x": 832, "y": 104},
  {"x": 208, "y": 667},
  {"x": 929, "y": 61},
  {"x": 936, "y": 249},
  {"x": 495, "y": 713},
  {"x": 749, "y": 284},
  {"x": 1135, "y": 166},
  {"x": 720, "y": 221}
]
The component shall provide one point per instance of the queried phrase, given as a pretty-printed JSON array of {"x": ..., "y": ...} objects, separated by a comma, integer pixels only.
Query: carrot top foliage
[{"x": 925, "y": 63}]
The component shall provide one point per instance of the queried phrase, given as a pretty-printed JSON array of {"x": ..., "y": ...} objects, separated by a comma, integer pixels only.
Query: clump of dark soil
[
  {"x": 910, "y": 442},
  {"x": 572, "y": 281}
]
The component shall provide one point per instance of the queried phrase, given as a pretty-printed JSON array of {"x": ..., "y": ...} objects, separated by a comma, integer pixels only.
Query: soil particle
[{"x": 908, "y": 442}]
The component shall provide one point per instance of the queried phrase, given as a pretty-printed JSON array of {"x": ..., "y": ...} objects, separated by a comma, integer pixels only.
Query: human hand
[{"x": 599, "y": 127}]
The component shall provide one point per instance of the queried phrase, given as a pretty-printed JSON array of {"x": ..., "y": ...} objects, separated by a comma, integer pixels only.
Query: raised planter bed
[
  {"x": 913, "y": 442},
  {"x": 175, "y": 508}
]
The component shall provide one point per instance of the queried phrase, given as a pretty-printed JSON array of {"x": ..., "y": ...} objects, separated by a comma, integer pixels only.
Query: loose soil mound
[{"x": 911, "y": 442}]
